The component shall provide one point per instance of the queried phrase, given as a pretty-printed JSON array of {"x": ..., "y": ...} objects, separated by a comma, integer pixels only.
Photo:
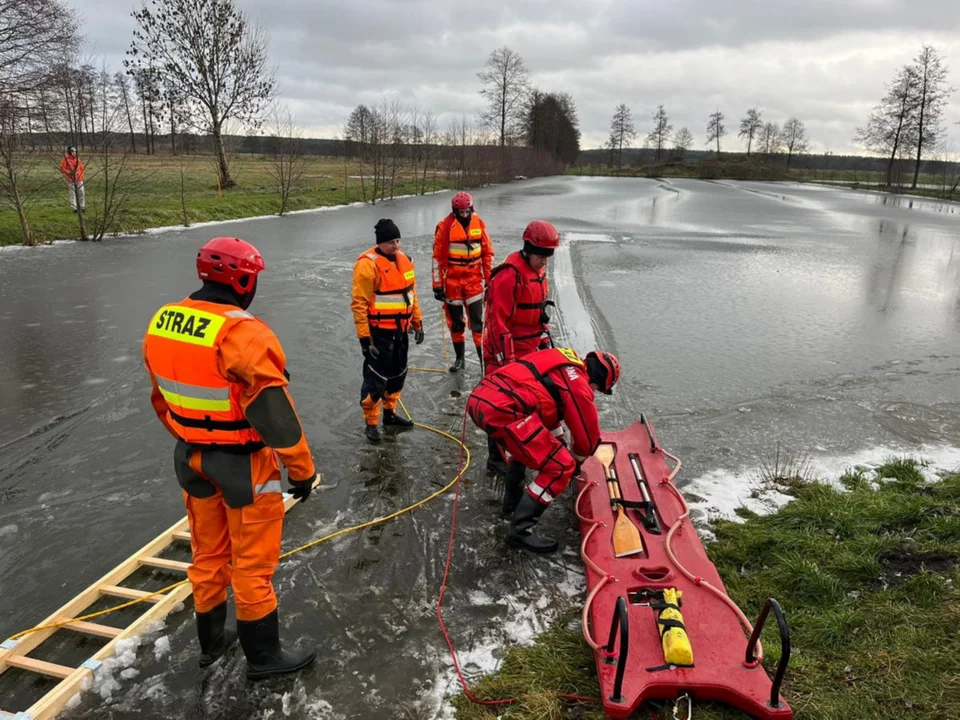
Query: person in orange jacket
[
  {"x": 219, "y": 387},
  {"x": 385, "y": 309},
  {"x": 462, "y": 259},
  {"x": 72, "y": 170},
  {"x": 515, "y": 306},
  {"x": 522, "y": 405}
]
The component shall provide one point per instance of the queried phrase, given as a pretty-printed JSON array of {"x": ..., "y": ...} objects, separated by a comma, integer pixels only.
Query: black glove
[
  {"x": 368, "y": 349},
  {"x": 438, "y": 293},
  {"x": 418, "y": 335},
  {"x": 302, "y": 488}
]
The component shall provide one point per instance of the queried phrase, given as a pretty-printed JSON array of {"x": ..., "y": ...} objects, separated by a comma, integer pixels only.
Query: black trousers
[{"x": 383, "y": 377}]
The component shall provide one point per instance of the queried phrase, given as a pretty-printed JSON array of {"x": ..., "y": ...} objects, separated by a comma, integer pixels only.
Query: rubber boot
[
  {"x": 480, "y": 355},
  {"x": 495, "y": 463},
  {"x": 373, "y": 433},
  {"x": 521, "y": 534},
  {"x": 391, "y": 418},
  {"x": 213, "y": 635},
  {"x": 513, "y": 486},
  {"x": 459, "y": 362},
  {"x": 260, "y": 640}
]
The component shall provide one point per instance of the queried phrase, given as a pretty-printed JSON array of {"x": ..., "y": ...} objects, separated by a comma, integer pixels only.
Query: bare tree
[
  {"x": 770, "y": 139},
  {"x": 34, "y": 34},
  {"x": 357, "y": 135},
  {"x": 121, "y": 80},
  {"x": 15, "y": 169},
  {"x": 288, "y": 164},
  {"x": 215, "y": 59},
  {"x": 683, "y": 140},
  {"x": 506, "y": 84},
  {"x": 794, "y": 138},
  {"x": 660, "y": 133},
  {"x": 429, "y": 127},
  {"x": 891, "y": 124},
  {"x": 931, "y": 97},
  {"x": 750, "y": 127},
  {"x": 715, "y": 129},
  {"x": 621, "y": 131}
]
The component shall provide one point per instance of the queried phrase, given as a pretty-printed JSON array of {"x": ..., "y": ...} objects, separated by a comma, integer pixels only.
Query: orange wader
[{"x": 219, "y": 387}]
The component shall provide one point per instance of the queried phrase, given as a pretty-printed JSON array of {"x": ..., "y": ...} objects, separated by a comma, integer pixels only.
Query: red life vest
[{"x": 530, "y": 295}]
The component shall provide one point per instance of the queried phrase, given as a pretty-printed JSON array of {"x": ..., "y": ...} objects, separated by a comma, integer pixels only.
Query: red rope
[{"x": 443, "y": 590}]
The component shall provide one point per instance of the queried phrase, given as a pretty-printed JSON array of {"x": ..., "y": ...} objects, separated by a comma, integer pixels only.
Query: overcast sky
[{"x": 824, "y": 61}]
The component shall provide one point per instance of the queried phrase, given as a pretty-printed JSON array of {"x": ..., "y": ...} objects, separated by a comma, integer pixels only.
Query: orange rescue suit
[{"x": 217, "y": 371}]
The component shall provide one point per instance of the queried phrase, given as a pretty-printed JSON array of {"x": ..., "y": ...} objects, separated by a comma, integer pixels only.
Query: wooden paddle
[{"x": 626, "y": 536}]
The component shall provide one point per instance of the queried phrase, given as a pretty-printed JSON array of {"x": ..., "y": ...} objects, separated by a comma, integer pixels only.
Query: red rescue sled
[{"x": 625, "y": 594}]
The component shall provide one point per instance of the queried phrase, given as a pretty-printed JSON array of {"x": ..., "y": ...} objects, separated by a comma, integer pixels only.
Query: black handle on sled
[
  {"x": 784, "y": 644},
  {"x": 619, "y": 622}
]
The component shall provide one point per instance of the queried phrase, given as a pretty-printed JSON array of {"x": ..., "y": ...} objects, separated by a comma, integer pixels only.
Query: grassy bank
[
  {"x": 868, "y": 579},
  {"x": 157, "y": 198}
]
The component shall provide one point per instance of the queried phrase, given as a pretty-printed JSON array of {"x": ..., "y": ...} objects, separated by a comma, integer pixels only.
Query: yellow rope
[{"x": 311, "y": 544}]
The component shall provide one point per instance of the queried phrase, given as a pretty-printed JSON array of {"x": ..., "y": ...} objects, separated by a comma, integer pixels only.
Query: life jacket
[
  {"x": 465, "y": 244},
  {"x": 392, "y": 306},
  {"x": 530, "y": 295},
  {"x": 182, "y": 349},
  {"x": 534, "y": 368}
]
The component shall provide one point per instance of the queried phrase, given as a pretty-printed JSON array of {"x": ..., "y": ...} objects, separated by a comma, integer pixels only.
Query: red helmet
[
  {"x": 606, "y": 365},
  {"x": 230, "y": 261},
  {"x": 542, "y": 234},
  {"x": 462, "y": 201}
]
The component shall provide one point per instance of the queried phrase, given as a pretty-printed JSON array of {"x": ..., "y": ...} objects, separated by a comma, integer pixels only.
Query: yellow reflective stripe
[
  {"x": 571, "y": 355},
  {"x": 462, "y": 251},
  {"x": 204, "y": 392},
  {"x": 192, "y": 403},
  {"x": 394, "y": 305},
  {"x": 409, "y": 275},
  {"x": 184, "y": 324},
  {"x": 476, "y": 232}
]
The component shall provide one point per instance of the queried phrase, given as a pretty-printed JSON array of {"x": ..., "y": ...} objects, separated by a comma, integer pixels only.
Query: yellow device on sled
[{"x": 676, "y": 644}]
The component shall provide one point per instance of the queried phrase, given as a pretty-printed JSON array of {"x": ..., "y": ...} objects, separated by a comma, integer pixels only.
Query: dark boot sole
[
  {"x": 208, "y": 659},
  {"x": 518, "y": 543},
  {"x": 286, "y": 670}
]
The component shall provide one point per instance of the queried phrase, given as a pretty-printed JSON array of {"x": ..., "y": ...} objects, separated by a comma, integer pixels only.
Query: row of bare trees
[
  {"x": 907, "y": 124},
  {"x": 772, "y": 140}
]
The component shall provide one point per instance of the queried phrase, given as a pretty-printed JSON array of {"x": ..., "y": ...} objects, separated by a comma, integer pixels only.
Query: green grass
[
  {"x": 155, "y": 199},
  {"x": 868, "y": 579}
]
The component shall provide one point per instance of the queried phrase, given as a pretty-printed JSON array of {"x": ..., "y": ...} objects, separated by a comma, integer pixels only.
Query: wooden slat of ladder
[
  {"x": 89, "y": 628},
  {"x": 185, "y": 536},
  {"x": 75, "y": 607},
  {"x": 40, "y": 666},
  {"x": 128, "y": 593},
  {"x": 164, "y": 564},
  {"x": 53, "y": 702}
]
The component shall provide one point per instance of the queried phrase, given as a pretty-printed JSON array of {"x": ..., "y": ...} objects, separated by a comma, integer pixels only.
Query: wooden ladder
[{"x": 14, "y": 653}]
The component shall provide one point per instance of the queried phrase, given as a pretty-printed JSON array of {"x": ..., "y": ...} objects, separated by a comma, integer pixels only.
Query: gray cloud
[{"x": 823, "y": 61}]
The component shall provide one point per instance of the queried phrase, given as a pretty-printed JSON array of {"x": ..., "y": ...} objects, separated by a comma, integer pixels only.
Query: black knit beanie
[{"x": 386, "y": 230}]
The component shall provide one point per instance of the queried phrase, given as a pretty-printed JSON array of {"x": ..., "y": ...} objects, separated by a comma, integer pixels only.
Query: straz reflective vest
[
  {"x": 465, "y": 245},
  {"x": 392, "y": 306},
  {"x": 530, "y": 296},
  {"x": 182, "y": 350}
]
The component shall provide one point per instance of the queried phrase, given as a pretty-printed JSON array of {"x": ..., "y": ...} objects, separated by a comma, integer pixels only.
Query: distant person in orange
[
  {"x": 219, "y": 386},
  {"x": 462, "y": 259},
  {"x": 72, "y": 170},
  {"x": 385, "y": 310}
]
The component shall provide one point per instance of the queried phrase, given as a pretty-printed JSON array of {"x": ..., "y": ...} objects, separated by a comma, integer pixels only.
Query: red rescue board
[{"x": 627, "y": 587}]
